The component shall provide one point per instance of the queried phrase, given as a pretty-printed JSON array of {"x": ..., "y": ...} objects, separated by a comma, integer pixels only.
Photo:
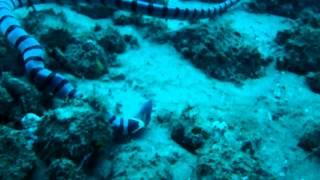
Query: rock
[
  {"x": 6, "y": 102},
  {"x": 301, "y": 49},
  {"x": 36, "y": 21},
  {"x": 184, "y": 130},
  {"x": 112, "y": 41},
  {"x": 156, "y": 30},
  {"x": 72, "y": 131},
  {"x": 220, "y": 52},
  {"x": 63, "y": 168},
  {"x": 10, "y": 59},
  {"x": 30, "y": 123},
  {"x": 132, "y": 41},
  {"x": 313, "y": 81},
  {"x": 17, "y": 160},
  {"x": 287, "y": 8},
  {"x": 309, "y": 17},
  {"x": 190, "y": 139},
  {"x": 84, "y": 59},
  {"x": 310, "y": 140},
  {"x": 25, "y": 98},
  {"x": 56, "y": 38}
]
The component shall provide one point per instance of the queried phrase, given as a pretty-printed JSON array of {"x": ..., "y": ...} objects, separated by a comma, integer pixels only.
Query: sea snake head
[
  {"x": 145, "y": 112},
  {"x": 134, "y": 125}
]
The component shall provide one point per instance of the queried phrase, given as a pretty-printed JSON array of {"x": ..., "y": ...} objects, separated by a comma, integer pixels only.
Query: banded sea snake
[{"x": 45, "y": 79}]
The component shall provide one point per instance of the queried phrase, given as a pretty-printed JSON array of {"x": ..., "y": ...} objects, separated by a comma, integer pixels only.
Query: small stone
[{"x": 187, "y": 139}]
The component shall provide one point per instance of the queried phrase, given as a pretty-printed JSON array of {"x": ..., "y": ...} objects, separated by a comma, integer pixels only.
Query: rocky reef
[
  {"x": 87, "y": 56},
  {"x": 313, "y": 81},
  {"x": 84, "y": 59},
  {"x": 220, "y": 52},
  {"x": 19, "y": 97},
  {"x": 72, "y": 131},
  {"x": 17, "y": 160},
  {"x": 309, "y": 141},
  {"x": 64, "y": 169},
  {"x": 287, "y": 8},
  {"x": 300, "y": 49},
  {"x": 67, "y": 139}
]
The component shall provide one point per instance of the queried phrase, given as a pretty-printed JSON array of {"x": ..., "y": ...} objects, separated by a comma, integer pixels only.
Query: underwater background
[{"x": 233, "y": 97}]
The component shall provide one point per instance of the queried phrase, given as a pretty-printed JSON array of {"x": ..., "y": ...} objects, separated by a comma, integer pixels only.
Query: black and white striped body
[
  {"x": 125, "y": 127},
  {"x": 33, "y": 54},
  {"x": 32, "y": 51},
  {"x": 147, "y": 8}
]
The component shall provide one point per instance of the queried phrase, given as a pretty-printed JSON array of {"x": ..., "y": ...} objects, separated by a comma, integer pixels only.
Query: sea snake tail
[
  {"x": 32, "y": 54},
  {"x": 146, "y": 8},
  {"x": 170, "y": 12}
]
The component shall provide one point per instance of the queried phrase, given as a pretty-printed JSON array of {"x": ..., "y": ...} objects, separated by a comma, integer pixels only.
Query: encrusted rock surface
[
  {"x": 17, "y": 160},
  {"x": 310, "y": 140},
  {"x": 72, "y": 131},
  {"x": 63, "y": 168},
  {"x": 85, "y": 59},
  {"x": 313, "y": 81},
  {"x": 220, "y": 52},
  {"x": 287, "y": 8},
  {"x": 112, "y": 41},
  {"x": 301, "y": 49},
  {"x": 21, "y": 97}
]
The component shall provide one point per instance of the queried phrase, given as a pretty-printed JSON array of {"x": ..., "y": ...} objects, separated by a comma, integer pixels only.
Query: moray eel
[{"x": 45, "y": 79}]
